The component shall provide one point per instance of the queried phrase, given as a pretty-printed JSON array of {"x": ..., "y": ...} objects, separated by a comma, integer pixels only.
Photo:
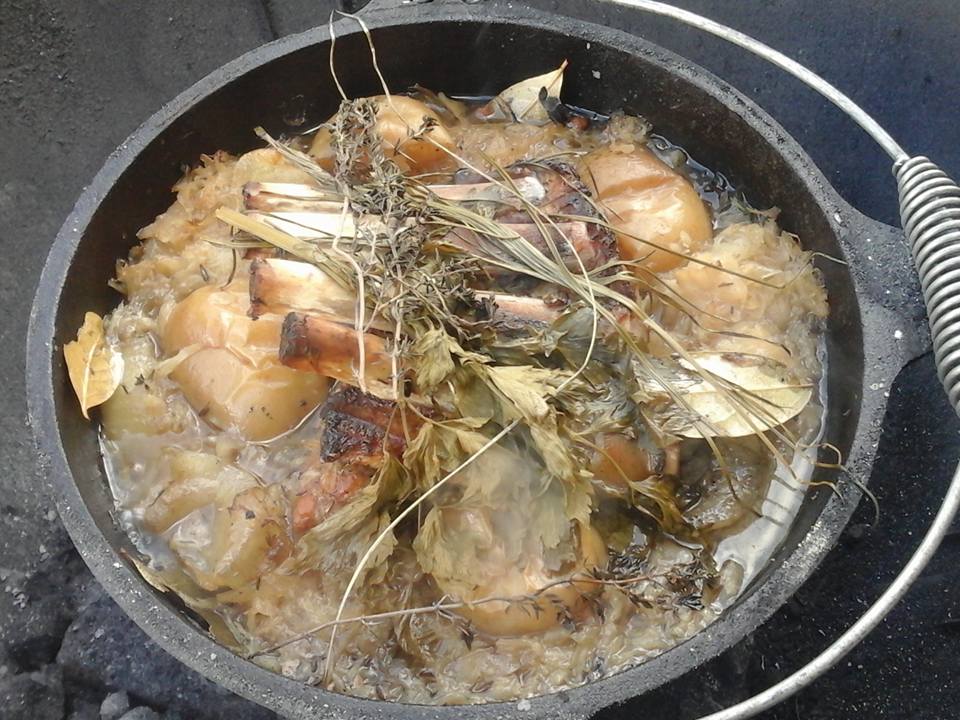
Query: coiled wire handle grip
[{"x": 930, "y": 212}]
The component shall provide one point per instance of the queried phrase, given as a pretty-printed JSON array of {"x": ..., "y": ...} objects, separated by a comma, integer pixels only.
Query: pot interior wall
[{"x": 457, "y": 58}]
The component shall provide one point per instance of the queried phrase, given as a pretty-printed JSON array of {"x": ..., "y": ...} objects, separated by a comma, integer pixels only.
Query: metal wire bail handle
[{"x": 930, "y": 215}]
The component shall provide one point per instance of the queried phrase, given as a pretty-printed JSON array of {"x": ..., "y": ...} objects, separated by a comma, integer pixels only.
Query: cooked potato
[
  {"x": 400, "y": 120},
  {"x": 233, "y": 546},
  {"x": 491, "y": 572},
  {"x": 198, "y": 479},
  {"x": 141, "y": 405},
  {"x": 644, "y": 198},
  {"x": 264, "y": 165},
  {"x": 726, "y": 500},
  {"x": 233, "y": 376}
]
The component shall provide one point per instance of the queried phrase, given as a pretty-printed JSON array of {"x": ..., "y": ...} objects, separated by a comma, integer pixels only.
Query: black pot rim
[{"x": 288, "y": 697}]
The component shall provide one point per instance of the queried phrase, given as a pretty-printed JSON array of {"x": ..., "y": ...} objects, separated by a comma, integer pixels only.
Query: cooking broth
[{"x": 268, "y": 429}]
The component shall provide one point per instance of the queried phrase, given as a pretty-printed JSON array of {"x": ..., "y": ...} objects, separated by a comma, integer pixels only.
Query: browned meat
[
  {"x": 324, "y": 488},
  {"x": 557, "y": 191},
  {"x": 563, "y": 192},
  {"x": 572, "y": 240},
  {"x": 260, "y": 253},
  {"x": 520, "y": 310},
  {"x": 280, "y": 286},
  {"x": 357, "y": 429},
  {"x": 314, "y": 342},
  {"x": 356, "y": 425}
]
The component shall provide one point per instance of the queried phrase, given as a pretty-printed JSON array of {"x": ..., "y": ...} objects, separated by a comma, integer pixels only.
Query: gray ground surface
[{"x": 77, "y": 77}]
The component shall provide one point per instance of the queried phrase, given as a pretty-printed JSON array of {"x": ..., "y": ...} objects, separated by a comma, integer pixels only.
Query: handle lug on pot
[{"x": 889, "y": 293}]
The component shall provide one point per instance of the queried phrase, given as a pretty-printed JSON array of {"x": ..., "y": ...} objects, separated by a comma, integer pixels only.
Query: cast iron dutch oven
[{"x": 467, "y": 49}]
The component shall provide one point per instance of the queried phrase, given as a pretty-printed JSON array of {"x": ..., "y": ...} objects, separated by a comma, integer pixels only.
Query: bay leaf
[
  {"x": 94, "y": 366},
  {"x": 523, "y": 98},
  {"x": 763, "y": 394}
]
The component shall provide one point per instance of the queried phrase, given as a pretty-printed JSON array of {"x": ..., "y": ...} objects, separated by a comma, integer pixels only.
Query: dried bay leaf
[
  {"x": 523, "y": 98},
  {"x": 763, "y": 395},
  {"x": 94, "y": 366}
]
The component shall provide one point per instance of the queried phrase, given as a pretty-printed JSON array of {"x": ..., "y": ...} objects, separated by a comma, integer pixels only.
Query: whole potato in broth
[{"x": 231, "y": 373}]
